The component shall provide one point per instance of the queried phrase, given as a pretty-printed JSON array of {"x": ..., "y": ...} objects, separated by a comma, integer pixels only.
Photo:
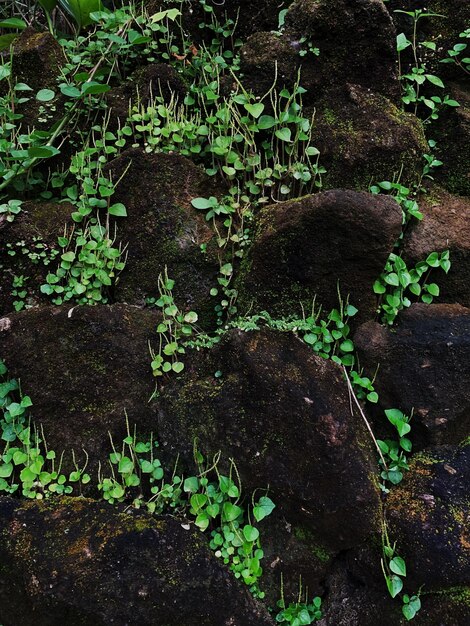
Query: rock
[
  {"x": 429, "y": 517},
  {"x": 90, "y": 365},
  {"x": 163, "y": 229},
  {"x": 452, "y": 132},
  {"x": 424, "y": 367},
  {"x": 85, "y": 563},
  {"x": 283, "y": 415},
  {"x": 356, "y": 40},
  {"x": 302, "y": 248},
  {"x": 33, "y": 233},
  {"x": 37, "y": 61},
  {"x": 364, "y": 138},
  {"x": 151, "y": 81},
  {"x": 446, "y": 226}
]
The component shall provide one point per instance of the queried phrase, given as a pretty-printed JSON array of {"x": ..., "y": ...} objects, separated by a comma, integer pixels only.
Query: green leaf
[
  {"x": 402, "y": 42},
  {"x": 48, "y": 5},
  {"x": 70, "y": 91},
  {"x": 263, "y": 508},
  {"x": 284, "y": 134},
  {"x": 203, "y": 203},
  {"x": 13, "y": 22},
  {"x": 118, "y": 210},
  {"x": 394, "y": 585},
  {"x": 80, "y": 10},
  {"x": 191, "y": 484},
  {"x": 93, "y": 88},
  {"x": 435, "y": 80},
  {"x": 5, "y": 43},
  {"x": 250, "y": 533},
  {"x": 45, "y": 95},
  {"x": 42, "y": 152},
  {"x": 126, "y": 465},
  {"x": 230, "y": 512},
  {"x": 255, "y": 109},
  {"x": 265, "y": 122},
  {"x": 398, "y": 566}
]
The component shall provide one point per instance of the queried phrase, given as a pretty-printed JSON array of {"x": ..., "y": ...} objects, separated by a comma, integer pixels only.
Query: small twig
[{"x": 356, "y": 401}]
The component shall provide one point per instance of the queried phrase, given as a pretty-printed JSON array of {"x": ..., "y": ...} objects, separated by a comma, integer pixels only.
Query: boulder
[
  {"x": 283, "y": 415},
  {"x": 364, "y": 138},
  {"x": 429, "y": 515},
  {"x": 29, "y": 244},
  {"x": 83, "y": 367},
  {"x": 452, "y": 132},
  {"x": 86, "y": 563},
  {"x": 446, "y": 226},
  {"x": 424, "y": 368},
  {"x": 356, "y": 39},
  {"x": 146, "y": 83},
  {"x": 304, "y": 248},
  {"x": 37, "y": 61},
  {"x": 162, "y": 229},
  {"x": 356, "y": 42}
]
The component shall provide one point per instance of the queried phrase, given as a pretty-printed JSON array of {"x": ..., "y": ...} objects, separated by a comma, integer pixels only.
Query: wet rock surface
[
  {"x": 84, "y": 367},
  {"x": 306, "y": 248},
  {"x": 85, "y": 563},
  {"x": 284, "y": 415},
  {"x": 418, "y": 369}
]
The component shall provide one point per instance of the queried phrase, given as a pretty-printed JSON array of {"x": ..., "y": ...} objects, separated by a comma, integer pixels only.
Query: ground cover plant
[{"x": 256, "y": 146}]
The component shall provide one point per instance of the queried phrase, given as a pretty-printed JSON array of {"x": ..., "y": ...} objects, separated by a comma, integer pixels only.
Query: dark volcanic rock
[
  {"x": 163, "y": 229},
  {"x": 82, "y": 563},
  {"x": 363, "y": 138},
  {"x": 425, "y": 367},
  {"x": 429, "y": 517},
  {"x": 33, "y": 232},
  {"x": 452, "y": 132},
  {"x": 446, "y": 226},
  {"x": 356, "y": 39},
  {"x": 304, "y": 247},
  {"x": 83, "y": 368},
  {"x": 37, "y": 61},
  {"x": 283, "y": 415}
]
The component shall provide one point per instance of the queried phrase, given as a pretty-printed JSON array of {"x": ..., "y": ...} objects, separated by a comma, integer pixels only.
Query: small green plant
[
  {"x": 10, "y": 209},
  {"x": 418, "y": 76},
  {"x": 172, "y": 330},
  {"x": 394, "y": 452},
  {"x": 298, "y": 613},
  {"x": 394, "y": 570},
  {"x": 397, "y": 284},
  {"x": 90, "y": 264},
  {"x": 459, "y": 55}
]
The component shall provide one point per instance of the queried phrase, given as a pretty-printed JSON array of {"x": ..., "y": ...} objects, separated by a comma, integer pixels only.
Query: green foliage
[
  {"x": 394, "y": 570},
  {"x": 418, "y": 76},
  {"x": 89, "y": 265},
  {"x": 299, "y": 613},
  {"x": 398, "y": 284},
  {"x": 394, "y": 452},
  {"x": 459, "y": 55},
  {"x": 172, "y": 330}
]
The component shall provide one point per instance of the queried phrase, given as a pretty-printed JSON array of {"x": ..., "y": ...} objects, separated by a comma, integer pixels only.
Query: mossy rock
[
  {"x": 76, "y": 561},
  {"x": 34, "y": 231},
  {"x": 428, "y": 516},
  {"x": 364, "y": 138},
  {"x": 283, "y": 415},
  {"x": 311, "y": 247},
  {"x": 83, "y": 368},
  {"x": 162, "y": 229}
]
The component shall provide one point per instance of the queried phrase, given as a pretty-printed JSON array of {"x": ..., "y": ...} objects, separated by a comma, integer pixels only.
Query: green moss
[{"x": 318, "y": 550}]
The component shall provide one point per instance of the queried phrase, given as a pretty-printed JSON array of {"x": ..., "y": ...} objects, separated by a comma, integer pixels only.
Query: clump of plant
[
  {"x": 394, "y": 452},
  {"x": 394, "y": 570},
  {"x": 397, "y": 284},
  {"x": 418, "y": 76},
  {"x": 300, "y": 612},
  {"x": 459, "y": 55}
]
